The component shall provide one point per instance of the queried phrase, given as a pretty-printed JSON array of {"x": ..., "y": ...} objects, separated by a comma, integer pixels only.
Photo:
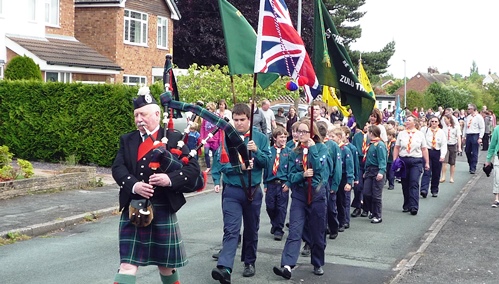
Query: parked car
[{"x": 302, "y": 109}]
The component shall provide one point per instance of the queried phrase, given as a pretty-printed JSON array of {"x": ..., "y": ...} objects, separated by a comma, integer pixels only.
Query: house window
[
  {"x": 64, "y": 77},
  {"x": 134, "y": 80},
  {"x": 31, "y": 10},
  {"x": 52, "y": 12},
  {"x": 135, "y": 27},
  {"x": 162, "y": 32}
]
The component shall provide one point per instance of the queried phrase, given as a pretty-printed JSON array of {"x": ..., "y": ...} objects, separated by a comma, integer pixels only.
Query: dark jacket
[{"x": 126, "y": 171}]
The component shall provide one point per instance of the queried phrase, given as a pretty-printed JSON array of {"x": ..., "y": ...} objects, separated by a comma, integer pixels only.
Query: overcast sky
[{"x": 446, "y": 34}]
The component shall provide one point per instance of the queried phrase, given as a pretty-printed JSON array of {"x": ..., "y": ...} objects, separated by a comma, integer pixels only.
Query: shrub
[{"x": 23, "y": 68}]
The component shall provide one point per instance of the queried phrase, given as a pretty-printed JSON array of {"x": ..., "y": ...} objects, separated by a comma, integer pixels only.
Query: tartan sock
[
  {"x": 124, "y": 279},
  {"x": 170, "y": 279}
]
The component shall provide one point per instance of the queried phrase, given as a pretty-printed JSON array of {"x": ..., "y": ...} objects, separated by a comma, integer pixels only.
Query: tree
[
  {"x": 396, "y": 85},
  {"x": 198, "y": 36},
  {"x": 23, "y": 68}
]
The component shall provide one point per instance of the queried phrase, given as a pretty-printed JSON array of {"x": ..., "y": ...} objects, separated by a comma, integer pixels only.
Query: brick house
[
  {"x": 92, "y": 41},
  {"x": 421, "y": 81}
]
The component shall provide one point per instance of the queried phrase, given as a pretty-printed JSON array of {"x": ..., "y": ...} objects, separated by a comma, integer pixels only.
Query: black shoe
[
  {"x": 424, "y": 194},
  {"x": 371, "y": 216},
  {"x": 318, "y": 270},
  {"x": 434, "y": 195},
  {"x": 221, "y": 274},
  {"x": 472, "y": 172},
  {"x": 306, "y": 250},
  {"x": 347, "y": 225},
  {"x": 341, "y": 228},
  {"x": 356, "y": 213},
  {"x": 405, "y": 210},
  {"x": 376, "y": 220},
  {"x": 333, "y": 236},
  {"x": 391, "y": 188},
  {"x": 217, "y": 254},
  {"x": 414, "y": 211},
  {"x": 364, "y": 214},
  {"x": 272, "y": 230},
  {"x": 283, "y": 272},
  {"x": 278, "y": 237},
  {"x": 249, "y": 270}
]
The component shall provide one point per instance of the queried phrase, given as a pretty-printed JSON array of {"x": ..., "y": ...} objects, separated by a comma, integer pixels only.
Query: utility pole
[{"x": 405, "y": 87}]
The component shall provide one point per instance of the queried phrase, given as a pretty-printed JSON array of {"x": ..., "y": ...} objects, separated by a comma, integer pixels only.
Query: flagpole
[
  {"x": 250, "y": 195},
  {"x": 298, "y": 24},
  {"x": 233, "y": 90}
]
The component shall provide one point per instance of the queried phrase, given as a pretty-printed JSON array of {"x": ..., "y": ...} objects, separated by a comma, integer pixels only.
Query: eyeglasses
[{"x": 301, "y": 132}]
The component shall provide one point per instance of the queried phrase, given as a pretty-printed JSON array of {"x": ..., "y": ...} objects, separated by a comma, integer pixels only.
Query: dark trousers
[
  {"x": 373, "y": 190},
  {"x": 471, "y": 150},
  {"x": 485, "y": 141},
  {"x": 341, "y": 200},
  {"x": 236, "y": 208},
  {"x": 357, "y": 189},
  {"x": 390, "y": 176},
  {"x": 410, "y": 184},
  {"x": 431, "y": 177},
  {"x": 332, "y": 213},
  {"x": 299, "y": 212},
  {"x": 276, "y": 204}
]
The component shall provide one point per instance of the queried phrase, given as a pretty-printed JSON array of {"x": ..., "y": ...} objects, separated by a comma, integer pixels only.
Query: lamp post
[{"x": 405, "y": 88}]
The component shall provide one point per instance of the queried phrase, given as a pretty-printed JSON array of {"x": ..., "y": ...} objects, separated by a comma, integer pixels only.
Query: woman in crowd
[
  {"x": 436, "y": 143},
  {"x": 410, "y": 147},
  {"x": 453, "y": 133},
  {"x": 223, "y": 110}
]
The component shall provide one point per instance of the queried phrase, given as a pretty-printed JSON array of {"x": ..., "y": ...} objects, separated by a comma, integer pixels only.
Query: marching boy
[{"x": 276, "y": 185}]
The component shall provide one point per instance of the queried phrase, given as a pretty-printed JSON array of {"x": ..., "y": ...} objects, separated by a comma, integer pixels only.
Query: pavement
[{"x": 458, "y": 246}]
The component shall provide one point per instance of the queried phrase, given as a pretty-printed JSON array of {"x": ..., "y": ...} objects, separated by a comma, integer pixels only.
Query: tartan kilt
[{"x": 160, "y": 243}]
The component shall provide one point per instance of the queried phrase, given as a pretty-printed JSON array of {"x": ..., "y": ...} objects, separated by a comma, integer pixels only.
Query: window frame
[
  {"x": 49, "y": 11},
  {"x": 126, "y": 80},
  {"x": 162, "y": 24},
  {"x": 144, "y": 27},
  {"x": 63, "y": 77}
]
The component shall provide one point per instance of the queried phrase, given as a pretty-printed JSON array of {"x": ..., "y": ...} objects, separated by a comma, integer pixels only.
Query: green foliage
[
  {"x": 23, "y": 68},
  {"x": 5, "y": 156},
  {"x": 7, "y": 171},
  {"x": 414, "y": 99},
  {"x": 213, "y": 83},
  {"x": 26, "y": 168},
  {"x": 396, "y": 85},
  {"x": 376, "y": 62}
]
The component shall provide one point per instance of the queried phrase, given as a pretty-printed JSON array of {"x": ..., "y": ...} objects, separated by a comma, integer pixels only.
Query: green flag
[
  {"x": 240, "y": 44},
  {"x": 333, "y": 65}
]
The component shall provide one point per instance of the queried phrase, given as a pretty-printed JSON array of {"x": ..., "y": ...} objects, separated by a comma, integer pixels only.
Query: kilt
[{"x": 160, "y": 243}]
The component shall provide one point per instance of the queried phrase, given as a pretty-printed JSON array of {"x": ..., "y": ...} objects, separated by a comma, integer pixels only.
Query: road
[{"x": 365, "y": 253}]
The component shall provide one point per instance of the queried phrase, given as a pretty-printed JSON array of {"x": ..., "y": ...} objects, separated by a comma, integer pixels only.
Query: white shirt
[
  {"x": 474, "y": 124},
  {"x": 453, "y": 134},
  {"x": 440, "y": 139},
  {"x": 269, "y": 117},
  {"x": 417, "y": 142}
]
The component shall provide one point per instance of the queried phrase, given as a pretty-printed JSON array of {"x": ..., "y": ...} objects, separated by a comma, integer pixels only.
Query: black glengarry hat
[{"x": 144, "y": 98}]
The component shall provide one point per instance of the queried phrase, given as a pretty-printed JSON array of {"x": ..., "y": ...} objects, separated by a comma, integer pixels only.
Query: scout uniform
[{"x": 276, "y": 201}]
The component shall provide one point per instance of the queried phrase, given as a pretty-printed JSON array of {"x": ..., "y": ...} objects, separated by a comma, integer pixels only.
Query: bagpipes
[{"x": 171, "y": 153}]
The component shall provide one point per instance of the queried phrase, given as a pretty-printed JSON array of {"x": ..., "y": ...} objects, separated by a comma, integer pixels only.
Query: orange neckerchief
[
  {"x": 471, "y": 119},
  {"x": 276, "y": 161},
  {"x": 410, "y": 140},
  {"x": 434, "y": 138}
]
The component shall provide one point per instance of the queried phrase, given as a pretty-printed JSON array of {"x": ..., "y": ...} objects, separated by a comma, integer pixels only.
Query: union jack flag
[{"x": 279, "y": 47}]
